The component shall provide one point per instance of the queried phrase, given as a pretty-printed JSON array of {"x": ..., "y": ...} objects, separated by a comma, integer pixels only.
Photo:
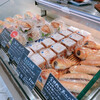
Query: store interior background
[{"x": 13, "y": 7}]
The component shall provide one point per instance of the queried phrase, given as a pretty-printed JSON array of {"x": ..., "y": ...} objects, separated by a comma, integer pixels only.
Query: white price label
[{"x": 65, "y": 9}]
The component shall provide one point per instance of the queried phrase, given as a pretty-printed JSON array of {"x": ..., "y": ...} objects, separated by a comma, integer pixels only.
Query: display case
[
  {"x": 78, "y": 16},
  {"x": 72, "y": 17}
]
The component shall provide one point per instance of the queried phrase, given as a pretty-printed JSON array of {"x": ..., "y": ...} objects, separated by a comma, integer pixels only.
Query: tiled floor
[{"x": 10, "y": 86}]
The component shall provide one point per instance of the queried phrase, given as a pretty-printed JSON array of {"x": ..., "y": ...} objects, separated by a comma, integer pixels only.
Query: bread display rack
[{"x": 71, "y": 17}]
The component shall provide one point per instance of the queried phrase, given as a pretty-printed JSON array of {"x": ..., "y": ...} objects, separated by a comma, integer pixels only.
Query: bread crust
[
  {"x": 62, "y": 63},
  {"x": 92, "y": 45},
  {"x": 76, "y": 76},
  {"x": 84, "y": 69},
  {"x": 46, "y": 28},
  {"x": 91, "y": 62},
  {"x": 55, "y": 24},
  {"x": 25, "y": 25},
  {"x": 28, "y": 13},
  {"x": 73, "y": 87},
  {"x": 1, "y": 22},
  {"x": 84, "y": 53},
  {"x": 1, "y": 31},
  {"x": 45, "y": 73},
  {"x": 18, "y": 16},
  {"x": 9, "y": 19}
]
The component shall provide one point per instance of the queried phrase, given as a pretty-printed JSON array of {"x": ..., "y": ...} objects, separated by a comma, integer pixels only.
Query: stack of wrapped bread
[{"x": 30, "y": 27}]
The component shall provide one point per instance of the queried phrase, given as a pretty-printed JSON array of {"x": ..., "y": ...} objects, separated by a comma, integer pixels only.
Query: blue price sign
[
  {"x": 16, "y": 51},
  {"x": 28, "y": 72},
  {"x": 53, "y": 90},
  {"x": 5, "y": 37}
]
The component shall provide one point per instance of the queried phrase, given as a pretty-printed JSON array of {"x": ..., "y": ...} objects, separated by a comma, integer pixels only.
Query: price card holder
[
  {"x": 4, "y": 39},
  {"x": 53, "y": 90},
  {"x": 16, "y": 51},
  {"x": 28, "y": 72}
]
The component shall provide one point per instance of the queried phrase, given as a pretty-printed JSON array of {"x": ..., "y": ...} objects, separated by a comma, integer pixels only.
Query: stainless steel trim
[
  {"x": 93, "y": 94},
  {"x": 72, "y": 11},
  {"x": 87, "y": 16},
  {"x": 78, "y": 16},
  {"x": 49, "y": 4}
]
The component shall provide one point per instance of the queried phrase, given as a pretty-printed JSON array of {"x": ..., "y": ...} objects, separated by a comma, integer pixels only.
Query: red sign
[{"x": 14, "y": 34}]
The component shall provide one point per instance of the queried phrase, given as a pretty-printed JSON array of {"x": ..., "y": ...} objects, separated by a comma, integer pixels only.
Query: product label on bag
[
  {"x": 53, "y": 90},
  {"x": 5, "y": 37},
  {"x": 16, "y": 51},
  {"x": 28, "y": 72},
  {"x": 14, "y": 34}
]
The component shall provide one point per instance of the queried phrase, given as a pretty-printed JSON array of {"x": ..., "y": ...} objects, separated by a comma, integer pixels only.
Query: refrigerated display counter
[{"x": 50, "y": 11}]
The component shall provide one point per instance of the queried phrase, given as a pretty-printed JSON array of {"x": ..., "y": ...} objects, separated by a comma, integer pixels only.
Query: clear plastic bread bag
[
  {"x": 46, "y": 30},
  {"x": 24, "y": 26},
  {"x": 33, "y": 35},
  {"x": 39, "y": 21}
]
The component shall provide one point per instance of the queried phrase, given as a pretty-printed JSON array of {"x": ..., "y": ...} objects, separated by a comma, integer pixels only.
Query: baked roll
[
  {"x": 85, "y": 53},
  {"x": 45, "y": 73},
  {"x": 92, "y": 70},
  {"x": 95, "y": 62},
  {"x": 92, "y": 45},
  {"x": 74, "y": 88},
  {"x": 62, "y": 65},
  {"x": 76, "y": 77}
]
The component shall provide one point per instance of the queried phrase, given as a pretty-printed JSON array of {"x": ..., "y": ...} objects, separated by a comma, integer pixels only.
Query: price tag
[
  {"x": 65, "y": 9},
  {"x": 16, "y": 51},
  {"x": 14, "y": 34},
  {"x": 28, "y": 72},
  {"x": 5, "y": 38},
  {"x": 53, "y": 90}
]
